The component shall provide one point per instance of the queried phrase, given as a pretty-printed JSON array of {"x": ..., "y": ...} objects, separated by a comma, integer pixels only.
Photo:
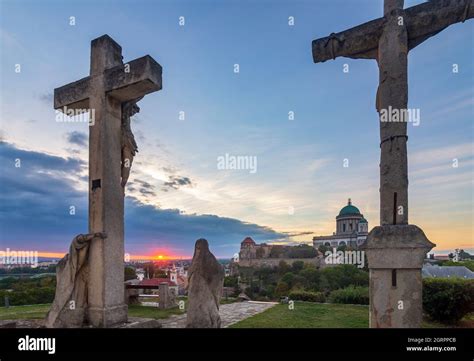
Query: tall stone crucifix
[
  {"x": 110, "y": 94},
  {"x": 395, "y": 249}
]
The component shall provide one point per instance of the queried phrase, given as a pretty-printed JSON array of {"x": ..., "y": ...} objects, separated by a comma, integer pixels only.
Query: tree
[
  {"x": 297, "y": 266},
  {"x": 282, "y": 289},
  {"x": 323, "y": 249},
  {"x": 342, "y": 248},
  {"x": 159, "y": 273},
  {"x": 283, "y": 267},
  {"x": 149, "y": 270},
  {"x": 129, "y": 273},
  {"x": 288, "y": 279}
]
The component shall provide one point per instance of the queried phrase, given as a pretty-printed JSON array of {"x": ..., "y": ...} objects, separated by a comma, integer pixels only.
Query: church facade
[{"x": 351, "y": 229}]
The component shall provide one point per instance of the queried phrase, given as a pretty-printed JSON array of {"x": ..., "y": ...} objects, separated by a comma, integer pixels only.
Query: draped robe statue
[
  {"x": 70, "y": 300},
  {"x": 206, "y": 279}
]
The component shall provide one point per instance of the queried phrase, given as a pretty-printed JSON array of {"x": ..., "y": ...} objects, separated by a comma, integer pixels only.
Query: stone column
[
  {"x": 106, "y": 200},
  {"x": 164, "y": 293},
  {"x": 395, "y": 250}
]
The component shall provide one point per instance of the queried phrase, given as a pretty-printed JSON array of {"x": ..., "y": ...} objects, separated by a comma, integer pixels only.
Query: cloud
[
  {"x": 176, "y": 182},
  {"x": 144, "y": 188},
  {"x": 35, "y": 202},
  {"x": 77, "y": 138}
]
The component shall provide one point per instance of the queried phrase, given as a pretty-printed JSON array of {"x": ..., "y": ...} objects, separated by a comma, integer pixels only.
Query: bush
[
  {"x": 307, "y": 296},
  {"x": 350, "y": 295},
  {"x": 342, "y": 276},
  {"x": 281, "y": 289},
  {"x": 448, "y": 299}
]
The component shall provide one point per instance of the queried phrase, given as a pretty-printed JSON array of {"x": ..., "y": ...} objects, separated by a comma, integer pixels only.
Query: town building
[{"x": 351, "y": 229}]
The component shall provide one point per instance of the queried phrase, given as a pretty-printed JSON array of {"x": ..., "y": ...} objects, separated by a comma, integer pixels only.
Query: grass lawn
[
  {"x": 28, "y": 312},
  {"x": 305, "y": 315},
  {"x": 321, "y": 315},
  {"x": 39, "y": 311},
  {"x": 309, "y": 315},
  {"x": 152, "y": 312}
]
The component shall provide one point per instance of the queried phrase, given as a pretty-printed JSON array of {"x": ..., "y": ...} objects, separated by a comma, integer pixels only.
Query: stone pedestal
[
  {"x": 164, "y": 293},
  {"x": 395, "y": 255}
]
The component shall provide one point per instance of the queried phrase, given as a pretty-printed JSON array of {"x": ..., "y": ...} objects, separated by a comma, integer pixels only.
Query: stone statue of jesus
[{"x": 129, "y": 145}]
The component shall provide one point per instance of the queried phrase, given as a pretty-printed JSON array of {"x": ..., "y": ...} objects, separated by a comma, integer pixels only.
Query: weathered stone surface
[
  {"x": 395, "y": 250},
  {"x": 392, "y": 93},
  {"x": 167, "y": 299},
  {"x": 109, "y": 84},
  {"x": 422, "y": 21},
  {"x": 72, "y": 272},
  {"x": 395, "y": 255},
  {"x": 206, "y": 279}
]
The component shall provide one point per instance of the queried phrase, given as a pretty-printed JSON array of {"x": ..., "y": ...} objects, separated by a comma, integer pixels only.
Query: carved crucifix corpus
[
  {"x": 110, "y": 94},
  {"x": 395, "y": 244}
]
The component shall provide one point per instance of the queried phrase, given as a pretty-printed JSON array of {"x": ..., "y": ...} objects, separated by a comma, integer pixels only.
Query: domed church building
[{"x": 351, "y": 229}]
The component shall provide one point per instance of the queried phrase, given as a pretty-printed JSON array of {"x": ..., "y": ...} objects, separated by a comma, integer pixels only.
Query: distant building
[
  {"x": 429, "y": 271},
  {"x": 179, "y": 278},
  {"x": 256, "y": 255},
  {"x": 351, "y": 229}
]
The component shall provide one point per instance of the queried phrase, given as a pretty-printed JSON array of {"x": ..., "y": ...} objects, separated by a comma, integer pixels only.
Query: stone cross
[
  {"x": 110, "y": 87},
  {"x": 395, "y": 250}
]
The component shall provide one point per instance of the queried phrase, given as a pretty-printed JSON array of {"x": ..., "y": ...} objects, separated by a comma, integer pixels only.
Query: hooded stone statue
[
  {"x": 70, "y": 300},
  {"x": 206, "y": 279}
]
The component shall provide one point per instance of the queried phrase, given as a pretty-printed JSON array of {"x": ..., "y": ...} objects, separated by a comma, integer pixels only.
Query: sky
[{"x": 177, "y": 193}]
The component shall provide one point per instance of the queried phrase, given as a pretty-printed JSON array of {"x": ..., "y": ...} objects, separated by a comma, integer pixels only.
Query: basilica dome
[{"x": 349, "y": 210}]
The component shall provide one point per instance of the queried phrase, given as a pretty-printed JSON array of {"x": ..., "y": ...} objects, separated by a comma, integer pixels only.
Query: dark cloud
[
  {"x": 35, "y": 201},
  {"x": 77, "y": 138},
  {"x": 176, "y": 182},
  {"x": 144, "y": 188}
]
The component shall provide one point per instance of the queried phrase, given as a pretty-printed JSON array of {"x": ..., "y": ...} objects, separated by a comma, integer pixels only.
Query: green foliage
[
  {"x": 350, "y": 295},
  {"x": 297, "y": 266},
  {"x": 283, "y": 268},
  {"x": 129, "y": 273},
  {"x": 312, "y": 278},
  {"x": 448, "y": 299},
  {"x": 307, "y": 296},
  {"x": 342, "y": 248},
  {"x": 323, "y": 249},
  {"x": 149, "y": 269},
  {"x": 342, "y": 276},
  {"x": 35, "y": 295},
  {"x": 282, "y": 289},
  {"x": 288, "y": 278},
  {"x": 231, "y": 281}
]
